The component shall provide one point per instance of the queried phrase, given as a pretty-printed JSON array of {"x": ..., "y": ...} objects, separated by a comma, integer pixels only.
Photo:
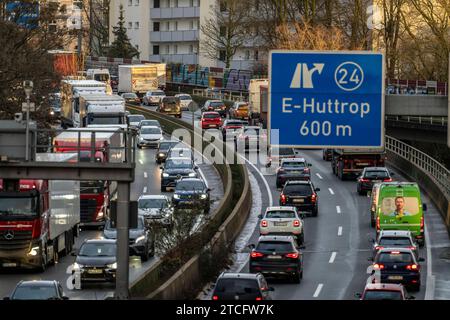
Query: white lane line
[
  {"x": 320, "y": 177},
  {"x": 340, "y": 231},
  {"x": 333, "y": 256},
  {"x": 430, "y": 287},
  {"x": 269, "y": 192},
  {"x": 140, "y": 161},
  {"x": 338, "y": 209},
  {"x": 145, "y": 190},
  {"x": 145, "y": 174},
  {"x": 203, "y": 176},
  {"x": 331, "y": 190},
  {"x": 317, "y": 292}
]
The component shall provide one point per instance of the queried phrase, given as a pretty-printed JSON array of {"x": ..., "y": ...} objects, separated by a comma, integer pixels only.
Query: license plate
[
  {"x": 363, "y": 164},
  {"x": 375, "y": 181},
  {"x": 95, "y": 271},
  {"x": 395, "y": 277},
  {"x": 280, "y": 224},
  {"x": 212, "y": 125},
  {"x": 274, "y": 257},
  {"x": 9, "y": 265},
  {"x": 298, "y": 200}
]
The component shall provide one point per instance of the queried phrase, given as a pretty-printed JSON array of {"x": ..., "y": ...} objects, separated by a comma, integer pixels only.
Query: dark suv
[
  {"x": 171, "y": 106},
  {"x": 293, "y": 169},
  {"x": 191, "y": 193},
  {"x": 163, "y": 150},
  {"x": 176, "y": 168},
  {"x": 241, "y": 286},
  {"x": 277, "y": 255},
  {"x": 301, "y": 194},
  {"x": 370, "y": 176}
]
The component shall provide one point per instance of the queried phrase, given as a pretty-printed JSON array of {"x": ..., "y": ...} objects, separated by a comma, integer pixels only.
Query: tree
[
  {"x": 226, "y": 31},
  {"x": 97, "y": 13},
  {"x": 121, "y": 47}
]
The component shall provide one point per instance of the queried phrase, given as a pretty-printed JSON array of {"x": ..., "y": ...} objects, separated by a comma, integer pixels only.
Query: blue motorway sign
[
  {"x": 326, "y": 99},
  {"x": 24, "y": 14}
]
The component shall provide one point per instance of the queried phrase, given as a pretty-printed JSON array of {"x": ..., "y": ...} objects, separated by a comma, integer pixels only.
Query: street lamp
[{"x": 28, "y": 88}]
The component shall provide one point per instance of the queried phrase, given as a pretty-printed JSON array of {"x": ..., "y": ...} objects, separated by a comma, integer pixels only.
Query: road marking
[
  {"x": 430, "y": 287},
  {"x": 320, "y": 177},
  {"x": 338, "y": 209},
  {"x": 331, "y": 190},
  {"x": 140, "y": 161},
  {"x": 340, "y": 231},
  {"x": 317, "y": 292},
  {"x": 145, "y": 190},
  {"x": 145, "y": 174},
  {"x": 333, "y": 256},
  {"x": 269, "y": 192}
]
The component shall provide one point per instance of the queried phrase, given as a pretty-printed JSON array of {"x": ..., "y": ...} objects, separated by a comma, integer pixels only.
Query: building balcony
[
  {"x": 187, "y": 58},
  {"x": 174, "y": 36},
  {"x": 174, "y": 13}
]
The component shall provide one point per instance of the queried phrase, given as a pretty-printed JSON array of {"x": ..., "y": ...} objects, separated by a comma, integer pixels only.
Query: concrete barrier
[{"x": 416, "y": 105}]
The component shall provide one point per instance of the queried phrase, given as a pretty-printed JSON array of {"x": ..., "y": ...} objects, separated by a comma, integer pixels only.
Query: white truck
[
  {"x": 70, "y": 94},
  {"x": 101, "y": 75},
  {"x": 140, "y": 78},
  {"x": 254, "y": 92},
  {"x": 102, "y": 110}
]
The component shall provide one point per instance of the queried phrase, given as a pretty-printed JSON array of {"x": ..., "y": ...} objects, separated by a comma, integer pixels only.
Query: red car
[
  {"x": 210, "y": 120},
  {"x": 384, "y": 291}
]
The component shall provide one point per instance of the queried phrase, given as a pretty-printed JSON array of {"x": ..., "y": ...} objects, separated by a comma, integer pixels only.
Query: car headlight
[
  {"x": 203, "y": 196},
  {"x": 34, "y": 251},
  {"x": 161, "y": 138},
  {"x": 141, "y": 139},
  {"x": 165, "y": 175},
  {"x": 167, "y": 215},
  {"x": 112, "y": 265},
  {"x": 78, "y": 266},
  {"x": 192, "y": 174},
  {"x": 139, "y": 239},
  {"x": 52, "y": 112},
  {"x": 160, "y": 154},
  {"x": 176, "y": 196}
]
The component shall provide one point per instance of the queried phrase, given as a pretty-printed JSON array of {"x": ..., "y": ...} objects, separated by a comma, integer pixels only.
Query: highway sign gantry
[{"x": 326, "y": 99}]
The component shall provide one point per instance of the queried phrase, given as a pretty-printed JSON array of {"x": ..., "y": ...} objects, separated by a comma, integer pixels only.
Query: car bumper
[
  {"x": 137, "y": 249},
  {"x": 266, "y": 231},
  {"x": 210, "y": 126},
  {"x": 106, "y": 275},
  {"x": 146, "y": 143},
  {"x": 189, "y": 203},
  {"x": 273, "y": 270},
  {"x": 407, "y": 279},
  {"x": 302, "y": 206}
]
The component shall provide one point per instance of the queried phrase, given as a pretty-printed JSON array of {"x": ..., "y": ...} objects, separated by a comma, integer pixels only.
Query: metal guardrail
[
  {"x": 423, "y": 161},
  {"x": 437, "y": 121}
]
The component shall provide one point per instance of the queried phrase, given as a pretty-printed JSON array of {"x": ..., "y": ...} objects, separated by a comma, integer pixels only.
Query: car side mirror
[
  {"x": 392, "y": 173},
  {"x": 302, "y": 247},
  {"x": 421, "y": 260},
  {"x": 424, "y": 207},
  {"x": 260, "y": 216},
  {"x": 369, "y": 194},
  {"x": 372, "y": 240},
  {"x": 209, "y": 189},
  {"x": 358, "y": 295},
  {"x": 317, "y": 189},
  {"x": 196, "y": 167},
  {"x": 161, "y": 168},
  {"x": 302, "y": 215}
]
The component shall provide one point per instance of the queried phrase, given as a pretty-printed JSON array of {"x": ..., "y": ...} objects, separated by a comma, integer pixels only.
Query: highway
[{"x": 147, "y": 181}]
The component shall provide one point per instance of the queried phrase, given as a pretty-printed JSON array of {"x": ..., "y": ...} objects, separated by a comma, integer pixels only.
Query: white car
[
  {"x": 153, "y": 97},
  {"x": 282, "y": 221},
  {"x": 149, "y": 136},
  {"x": 156, "y": 209},
  {"x": 185, "y": 100},
  {"x": 135, "y": 119}
]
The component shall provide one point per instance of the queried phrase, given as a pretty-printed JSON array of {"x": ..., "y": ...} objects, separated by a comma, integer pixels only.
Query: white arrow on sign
[{"x": 25, "y": 107}]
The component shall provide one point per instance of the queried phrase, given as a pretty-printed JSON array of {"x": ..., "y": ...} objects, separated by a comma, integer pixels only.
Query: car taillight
[
  {"x": 283, "y": 198},
  {"x": 280, "y": 170},
  {"x": 378, "y": 223},
  {"x": 387, "y": 180},
  {"x": 293, "y": 255},
  {"x": 264, "y": 223},
  {"x": 412, "y": 267},
  {"x": 378, "y": 247},
  {"x": 258, "y": 298},
  {"x": 306, "y": 170},
  {"x": 363, "y": 180},
  {"x": 412, "y": 248},
  {"x": 422, "y": 223},
  {"x": 313, "y": 197},
  {"x": 255, "y": 254},
  {"x": 296, "y": 223},
  {"x": 378, "y": 266},
  {"x": 215, "y": 298}
]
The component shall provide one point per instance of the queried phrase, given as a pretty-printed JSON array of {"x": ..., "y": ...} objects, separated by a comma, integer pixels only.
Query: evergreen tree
[{"x": 121, "y": 47}]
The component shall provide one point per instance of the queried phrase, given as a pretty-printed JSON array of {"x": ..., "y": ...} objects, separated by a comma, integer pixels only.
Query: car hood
[
  {"x": 188, "y": 192},
  {"x": 95, "y": 261},
  {"x": 112, "y": 233},
  {"x": 150, "y": 136},
  {"x": 151, "y": 212},
  {"x": 178, "y": 171}
]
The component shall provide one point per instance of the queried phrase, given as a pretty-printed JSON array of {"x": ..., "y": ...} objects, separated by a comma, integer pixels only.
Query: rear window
[
  {"x": 129, "y": 95},
  {"x": 387, "y": 257},
  {"x": 243, "y": 107},
  {"x": 185, "y": 97},
  {"x": 382, "y": 295},
  {"x": 211, "y": 115},
  {"x": 376, "y": 174},
  {"x": 234, "y": 123},
  {"x": 216, "y": 104},
  {"x": 283, "y": 151},
  {"x": 294, "y": 164},
  {"x": 241, "y": 286},
  {"x": 135, "y": 118},
  {"x": 395, "y": 241},
  {"x": 284, "y": 214},
  {"x": 170, "y": 100},
  {"x": 298, "y": 189},
  {"x": 275, "y": 246},
  {"x": 157, "y": 93}
]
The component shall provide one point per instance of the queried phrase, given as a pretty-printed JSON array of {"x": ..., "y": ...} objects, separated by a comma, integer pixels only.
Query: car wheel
[
  {"x": 296, "y": 278},
  {"x": 315, "y": 212},
  {"x": 139, "y": 146},
  {"x": 144, "y": 256},
  {"x": 301, "y": 238},
  {"x": 163, "y": 189},
  {"x": 415, "y": 287}
]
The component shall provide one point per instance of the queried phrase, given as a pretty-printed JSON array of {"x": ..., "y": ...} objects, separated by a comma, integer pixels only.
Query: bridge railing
[
  {"x": 434, "y": 169},
  {"x": 437, "y": 121}
]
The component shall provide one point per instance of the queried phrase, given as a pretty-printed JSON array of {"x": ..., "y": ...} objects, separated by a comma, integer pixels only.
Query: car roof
[
  {"x": 38, "y": 283},
  {"x": 299, "y": 182},
  {"x": 252, "y": 127},
  {"x": 100, "y": 241},
  {"x": 375, "y": 168},
  {"x": 280, "y": 208},
  {"x": 151, "y": 91},
  {"x": 234, "y": 275},
  {"x": 180, "y": 159},
  {"x": 214, "y": 100},
  {"x": 135, "y": 115},
  {"x": 394, "y": 233},
  {"x": 384, "y": 286},
  {"x": 153, "y": 196},
  {"x": 276, "y": 238},
  {"x": 149, "y": 120}
]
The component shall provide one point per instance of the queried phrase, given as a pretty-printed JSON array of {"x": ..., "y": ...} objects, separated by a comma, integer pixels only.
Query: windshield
[
  {"x": 190, "y": 185},
  {"x": 238, "y": 286},
  {"x": 243, "y": 107},
  {"x": 234, "y": 123},
  {"x": 211, "y": 115},
  {"x": 35, "y": 293},
  {"x": 283, "y": 152},
  {"x": 280, "y": 214},
  {"x": 166, "y": 145},
  {"x": 275, "y": 246},
  {"x": 382, "y": 295},
  {"x": 157, "y": 93},
  {"x": 101, "y": 77},
  {"x": 154, "y": 123},
  {"x": 145, "y": 130},
  {"x": 386, "y": 257},
  {"x": 297, "y": 189},
  {"x": 135, "y": 118},
  {"x": 98, "y": 250},
  {"x": 294, "y": 164},
  {"x": 217, "y": 104},
  {"x": 18, "y": 206},
  {"x": 394, "y": 241},
  {"x": 152, "y": 203},
  {"x": 106, "y": 120},
  {"x": 178, "y": 164},
  {"x": 92, "y": 186},
  {"x": 185, "y": 97},
  {"x": 376, "y": 174},
  {"x": 170, "y": 100}
]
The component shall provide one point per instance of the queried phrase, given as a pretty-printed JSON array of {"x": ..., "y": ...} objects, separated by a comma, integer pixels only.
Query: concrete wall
[{"x": 416, "y": 105}]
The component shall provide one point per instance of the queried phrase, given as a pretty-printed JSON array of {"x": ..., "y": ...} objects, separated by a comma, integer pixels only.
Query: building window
[
  {"x": 156, "y": 50},
  {"x": 247, "y": 55},
  {"x": 168, "y": 26},
  {"x": 256, "y": 55},
  {"x": 136, "y": 25},
  {"x": 191, "y": 48},
  {"x": 136, "y": 3},
  {"x": 167, "y": 49},
  {"x": 155, "y": 3},
  {"x": 175, "y": 49},
  {"x": 222, "y": 55},
  {"x": 176, "y": 25},
  {"x": 223, "y": 31},
  {"x": 191, "y": 25},
  {"x": 155, "y": 26},
  {"x": 130, "y": 2},
  {"x": 130, "y": 25}
]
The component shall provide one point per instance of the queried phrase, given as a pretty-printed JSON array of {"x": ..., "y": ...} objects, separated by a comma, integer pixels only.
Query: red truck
[
  {"x": 39, "y": 219},
  {"x": 94, "y": 195},
  {"x": 349, "y": 163}
]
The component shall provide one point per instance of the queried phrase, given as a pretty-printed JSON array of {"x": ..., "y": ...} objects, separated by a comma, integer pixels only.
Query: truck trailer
[
  {"x": 102, "y": 110},
  {"x": 349, "y": 163},
  {"x": 254, "y": 96},
  {"x": 140, "y": 78}
]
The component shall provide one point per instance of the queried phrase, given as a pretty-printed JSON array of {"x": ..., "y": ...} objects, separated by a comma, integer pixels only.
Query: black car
[
  {"x": 398, "y": 265},
  {"x": 176, "y": 168},
  {"x": 300, "y": 194},
  {"x": 370, "y": 176},
  {"x": 277, "y": 255},
  {"x": 327, "y": 154},
  {"x": 217, "y": 106},
  {"x": 241, "y": 286},
  {"x": 96, "y": 260},
  {"x": 131, "y": 97},
  {"x": 230, "y": 128},
  {"x": 38, "y": 290},
  {"x": 142, "y": 242},
  {"x": 293, "y": 169},
  {"x": 191, "y": 193},
  {"x": 163, "y": 150}
]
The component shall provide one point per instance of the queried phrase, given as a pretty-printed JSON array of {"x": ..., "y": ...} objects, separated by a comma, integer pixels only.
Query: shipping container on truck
[
  {"x": 95, "y": 195},
  {"x": 39, "y": 219},
  {"x": 138, "y": 78},
  {"x": 70, "y": 102},
  {"x": 264, "y": 103},
  {"x": 349, "y": 163},
  {"x": 254, "y": 96},
  {"x": 102, "y": 110}
]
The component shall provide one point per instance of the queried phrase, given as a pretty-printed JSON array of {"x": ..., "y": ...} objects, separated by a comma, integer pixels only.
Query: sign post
[{"x": 327, "y": 99}]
